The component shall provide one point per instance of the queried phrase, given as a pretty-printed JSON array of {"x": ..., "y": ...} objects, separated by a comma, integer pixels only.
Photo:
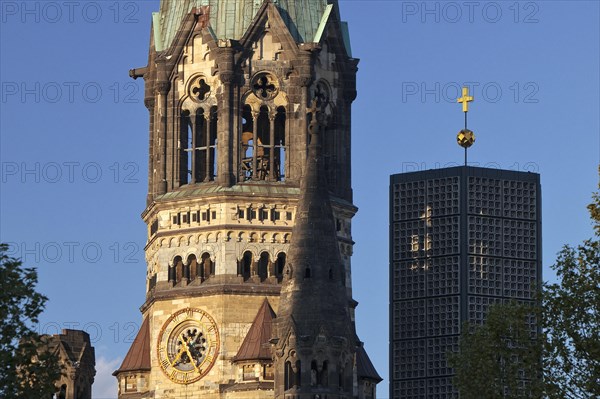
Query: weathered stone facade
[
  {"x": 228, "y": 87},
  {"x": 77, "y": 356}
]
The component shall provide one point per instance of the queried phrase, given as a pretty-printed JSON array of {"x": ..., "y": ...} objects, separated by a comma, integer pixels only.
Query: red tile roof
[
  {"x": 256, "y": 344},
  {"x": 138, "y": 356}
]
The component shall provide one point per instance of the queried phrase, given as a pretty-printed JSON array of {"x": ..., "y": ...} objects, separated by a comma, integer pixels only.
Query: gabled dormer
[{"x": 254, "y": 360}]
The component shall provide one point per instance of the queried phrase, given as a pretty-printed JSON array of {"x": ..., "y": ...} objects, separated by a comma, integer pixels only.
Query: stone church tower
[
  {"x": 237, "y": 304},
  {"x": 78, "y": 359}
]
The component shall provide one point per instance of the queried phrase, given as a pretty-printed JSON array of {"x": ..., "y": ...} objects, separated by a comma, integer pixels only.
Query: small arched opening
[
  {"x": 263, "y": 266},
  {"x": 279, "y": 149},
  {"x": 176, "y": 271},
  {"x": 246, "y": 265},
  {"x": 206, "y": 267},
  {"x": 191, "y": 268},
  {"x": 280, "y": 265}
]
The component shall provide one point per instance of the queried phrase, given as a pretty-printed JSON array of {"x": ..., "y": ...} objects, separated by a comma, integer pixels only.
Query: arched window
[
  {"x": 262, "y": 144},
  {"x": 186, "y": 272},
  {"x": 211, "y": 162},
  {"x": 192, "y": 266},
  {"x": 263, "y": 266},
  {"x": 288, "y": 376},
  {"x": 199, "y": 146},
  {"x": 246, "y": 265},
  {"x": 206, "y": 268},
  {"x": 171, "y": 274},
  {"x": 292, "y": 375},
  {"x": 279, "y": 145},
  {"x": 152, "y": 282},
  {"x": 280, "y": 264},
  {"x": 323, "y": 376},
  {"x": 186, "y": 140},
  {"x": 178, "y": 269},
  {"x": 247, "y": 144},
  {"x": 314, "y": 372}
]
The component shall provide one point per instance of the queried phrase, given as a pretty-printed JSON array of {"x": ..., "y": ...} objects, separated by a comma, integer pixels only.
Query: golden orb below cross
[{"x": 465, "y": 138}]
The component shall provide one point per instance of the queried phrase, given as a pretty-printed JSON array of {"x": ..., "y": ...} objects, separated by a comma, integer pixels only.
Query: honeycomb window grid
[
  {"x": 443, "y": 316},
  {"x": 485, "y": 196},
  {"x": 479, "y": 306},
  {"x": 410, "y": 356},
  {"x": 520, "y": 239},
  {"x": 486, "y": 275},
  {"x": 485, "y": 236},
  {"x": 409, "y": 319},
  {"x": 410, "y": 279},
  {"x": 411, "y": 389},
  {"x": 441, "y": 388},
  {"x": 443, "y": 276},
  {"x": 437, "y": 348},
  {"x": 520, "y": 278}
]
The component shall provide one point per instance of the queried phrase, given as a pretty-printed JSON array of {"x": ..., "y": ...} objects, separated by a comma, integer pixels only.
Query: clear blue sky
[{"x": 74, "y": 138}]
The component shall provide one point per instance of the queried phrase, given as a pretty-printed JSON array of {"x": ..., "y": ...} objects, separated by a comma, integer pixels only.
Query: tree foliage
[
  {"x": 501, "y": 358},
  {"x": 572, "y": 319},
  {"x": 30, "y": 367}
]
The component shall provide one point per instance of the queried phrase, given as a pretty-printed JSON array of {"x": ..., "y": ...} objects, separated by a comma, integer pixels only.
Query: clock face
[{"x": 188, "y": 345}]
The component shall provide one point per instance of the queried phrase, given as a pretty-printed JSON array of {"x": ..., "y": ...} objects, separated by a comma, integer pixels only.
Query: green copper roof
[{"x": 230, "y": 19}]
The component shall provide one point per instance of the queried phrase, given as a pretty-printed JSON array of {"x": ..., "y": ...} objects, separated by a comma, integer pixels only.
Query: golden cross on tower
[
  {"x": 465, "y": 99},
  {"x": 465, "y": 137}
]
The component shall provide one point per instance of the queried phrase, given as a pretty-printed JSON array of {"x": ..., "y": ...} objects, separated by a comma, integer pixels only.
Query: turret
[{"x": 314, "y": 339}]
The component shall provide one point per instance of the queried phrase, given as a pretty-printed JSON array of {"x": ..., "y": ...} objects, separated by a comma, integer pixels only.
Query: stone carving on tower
[
  {"x": 78, "y": 359},
  {"x": 229, "y": 87}
]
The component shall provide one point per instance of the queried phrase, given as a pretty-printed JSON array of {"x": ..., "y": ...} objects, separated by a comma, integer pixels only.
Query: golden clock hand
[
  {"x": 192, "y": 359},
  {"x": 187, "y": 350},
  {"x": 181, "y": 351}
]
